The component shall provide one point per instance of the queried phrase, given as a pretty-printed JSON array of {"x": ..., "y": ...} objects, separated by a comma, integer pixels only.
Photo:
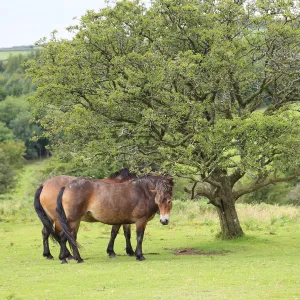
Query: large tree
[{"x": 205, "y": 89}]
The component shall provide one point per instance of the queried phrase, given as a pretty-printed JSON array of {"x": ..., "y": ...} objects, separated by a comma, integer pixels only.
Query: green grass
[
  {"x": 259, "y": 266},
  {"x": 262, "y": 265}
]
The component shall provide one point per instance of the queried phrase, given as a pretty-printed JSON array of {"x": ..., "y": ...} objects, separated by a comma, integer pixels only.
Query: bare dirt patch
[{"x": 192, "y": 251}]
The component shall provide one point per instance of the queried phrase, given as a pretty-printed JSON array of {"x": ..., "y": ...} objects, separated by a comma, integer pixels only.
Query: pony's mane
[
  {"x": 162, "y": 183},
  {"x": 123, "y": 174}
]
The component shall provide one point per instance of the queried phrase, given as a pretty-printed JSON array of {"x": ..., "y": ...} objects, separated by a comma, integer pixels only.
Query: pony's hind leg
[
  {"x": 110, "y": 248},
  {"x": 46, "y": 252},
  {"x": 74, "y": 226},
  {"x": 127, "y": 234},
  {"x": 63, "y": 249},
  {"x": 69, "y": 255}
]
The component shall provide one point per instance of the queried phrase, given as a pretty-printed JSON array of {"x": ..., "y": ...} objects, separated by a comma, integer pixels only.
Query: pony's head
[{"x": 163, "y": 197}]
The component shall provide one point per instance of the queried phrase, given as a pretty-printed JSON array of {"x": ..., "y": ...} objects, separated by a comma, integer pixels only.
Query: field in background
[
  {"x": 184, "y": 259},
  {"x": 5, "y": 55},
  {"x": 6, "y": 52}
]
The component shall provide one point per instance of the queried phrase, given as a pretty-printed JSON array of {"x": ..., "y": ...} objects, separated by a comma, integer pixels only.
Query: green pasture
[
  {"x": 5, "y": 54},
  {"x": 264, "y": 264}
]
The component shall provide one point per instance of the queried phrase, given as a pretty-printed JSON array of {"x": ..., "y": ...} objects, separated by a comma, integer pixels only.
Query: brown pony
[
  {"x": 45, "y": 205},
  {"x": 135, "y": 201}
]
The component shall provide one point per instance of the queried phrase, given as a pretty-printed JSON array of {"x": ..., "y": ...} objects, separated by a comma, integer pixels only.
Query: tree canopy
[{"x": 205, "y": 89}]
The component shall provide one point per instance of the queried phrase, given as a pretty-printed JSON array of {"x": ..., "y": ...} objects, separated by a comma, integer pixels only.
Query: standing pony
[
  {"x": 45, "y": 205},
  {"x": 135, "y": 201}
]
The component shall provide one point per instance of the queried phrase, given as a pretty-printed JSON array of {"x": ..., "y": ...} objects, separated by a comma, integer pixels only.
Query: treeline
[
  {"x": 17, "y": 132},
  {"x": 13, "y": 81}
]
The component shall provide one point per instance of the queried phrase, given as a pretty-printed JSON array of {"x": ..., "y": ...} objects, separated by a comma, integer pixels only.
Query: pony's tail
[
  {"x": 64, "y": 222},
  {"x": 48, "y": 224}
]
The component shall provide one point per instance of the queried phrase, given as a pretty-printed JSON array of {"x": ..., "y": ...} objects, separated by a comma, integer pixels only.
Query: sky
[{"x": 23, "y": 22}]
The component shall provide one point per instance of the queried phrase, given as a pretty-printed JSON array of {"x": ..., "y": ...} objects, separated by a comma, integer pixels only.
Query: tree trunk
[
  {"x": 224, "y": 201},
  {"x": 229, "y": 221}
]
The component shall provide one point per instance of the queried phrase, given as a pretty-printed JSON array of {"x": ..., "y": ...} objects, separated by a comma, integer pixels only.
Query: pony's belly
[
  {"x": 88, "y": 217},
  {"x": 108, "y": 217}
]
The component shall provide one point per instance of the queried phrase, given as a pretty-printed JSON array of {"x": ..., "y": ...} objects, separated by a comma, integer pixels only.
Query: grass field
[
  {"x": 5, "y": 55},
  {"x": 263, "y": 265}
]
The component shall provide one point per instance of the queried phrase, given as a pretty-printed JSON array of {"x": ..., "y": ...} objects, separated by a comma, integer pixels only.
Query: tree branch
[{"x": 255, "y": 187}]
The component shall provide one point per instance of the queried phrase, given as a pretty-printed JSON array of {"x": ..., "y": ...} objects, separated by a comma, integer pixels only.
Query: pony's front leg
[
  {"x": 140, "y": 229},
  {"x": 110, "y": 248},
  {"x": 127, "y": 234}
]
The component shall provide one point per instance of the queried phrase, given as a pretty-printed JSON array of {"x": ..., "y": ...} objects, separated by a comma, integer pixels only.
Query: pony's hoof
[
  {"x": 140, "y": 258},
  {"x": 70, "y": 257},
  {"x": 111, "y": 253},
  {"x": 50, "y": 257},
  {"x": 80, "y": 261},
  {"x": 130, "y": 252},
  {"x": 64, "y": 261}
]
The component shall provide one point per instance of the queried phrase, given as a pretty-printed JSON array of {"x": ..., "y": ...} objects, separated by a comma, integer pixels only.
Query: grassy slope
[{"x": 259, "y": 266}]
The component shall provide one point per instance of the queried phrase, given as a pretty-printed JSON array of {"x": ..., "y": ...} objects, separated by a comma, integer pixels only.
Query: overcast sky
[{"x": 23, "y": 22}]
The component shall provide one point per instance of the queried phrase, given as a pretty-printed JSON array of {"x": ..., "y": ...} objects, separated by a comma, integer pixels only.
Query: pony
[
  {"x": 135, "y": 201},
  {"x": 45, "y": 207}
]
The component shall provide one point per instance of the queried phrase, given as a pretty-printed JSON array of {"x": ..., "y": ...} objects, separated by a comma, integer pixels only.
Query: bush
[{"x": 11, "y": 159}]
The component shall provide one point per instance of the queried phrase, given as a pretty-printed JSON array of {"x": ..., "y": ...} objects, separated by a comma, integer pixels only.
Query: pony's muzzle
[{"x": 164, "y": 220}]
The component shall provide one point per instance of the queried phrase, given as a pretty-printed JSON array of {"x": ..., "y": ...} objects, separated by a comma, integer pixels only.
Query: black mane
[{"x": 123, "y": 174}]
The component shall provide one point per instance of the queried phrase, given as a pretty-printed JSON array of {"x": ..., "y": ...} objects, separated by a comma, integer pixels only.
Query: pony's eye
[{"x": 169, "y": 201}]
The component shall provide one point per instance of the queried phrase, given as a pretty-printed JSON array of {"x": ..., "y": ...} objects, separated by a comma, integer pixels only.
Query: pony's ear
[{"x": 153, "y": 191}]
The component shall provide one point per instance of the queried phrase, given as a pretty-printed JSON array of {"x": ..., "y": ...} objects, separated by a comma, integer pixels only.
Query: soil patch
[{"x": 192, "y": 251}]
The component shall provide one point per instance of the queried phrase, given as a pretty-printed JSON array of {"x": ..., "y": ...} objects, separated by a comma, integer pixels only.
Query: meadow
[
  {"x": 5, "y": 54},
  {"x": 184, "y": 260}
]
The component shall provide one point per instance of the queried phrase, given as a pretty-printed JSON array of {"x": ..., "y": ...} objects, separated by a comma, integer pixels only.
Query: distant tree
[
  {"x": 11, "y": 160},
  {"x": 12, "y": 75},
  {"x": 15, "y": 123},
  {"x": 5, "y": 133},
  {"x": 181, "y": 84},
  {"x": 3, "y": 94},
  {"x": 1, "y": 66},
  {"x": 14, "y": 63},
  {"x": 11, "y": 107},
  {"x": 24, "y": 130}
]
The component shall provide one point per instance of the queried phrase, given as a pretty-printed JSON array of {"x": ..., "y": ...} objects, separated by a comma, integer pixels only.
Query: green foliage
[
  {"x": 68, "y": 163},
  {"x": 11, "y": 160},
  {"x": 11, "y": 107},
  {"x": 12, "y": 72},
  {"x": 15, "y": 123},
  {"x": 270, "y": 194},
  {"x": 177, "y": 100},
  {"x": 5, "y": 133}
]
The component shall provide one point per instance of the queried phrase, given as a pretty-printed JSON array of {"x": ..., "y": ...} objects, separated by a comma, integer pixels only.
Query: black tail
[
  {"x": 64, "y": 222},
  {"x": 48, "y": 224}
]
